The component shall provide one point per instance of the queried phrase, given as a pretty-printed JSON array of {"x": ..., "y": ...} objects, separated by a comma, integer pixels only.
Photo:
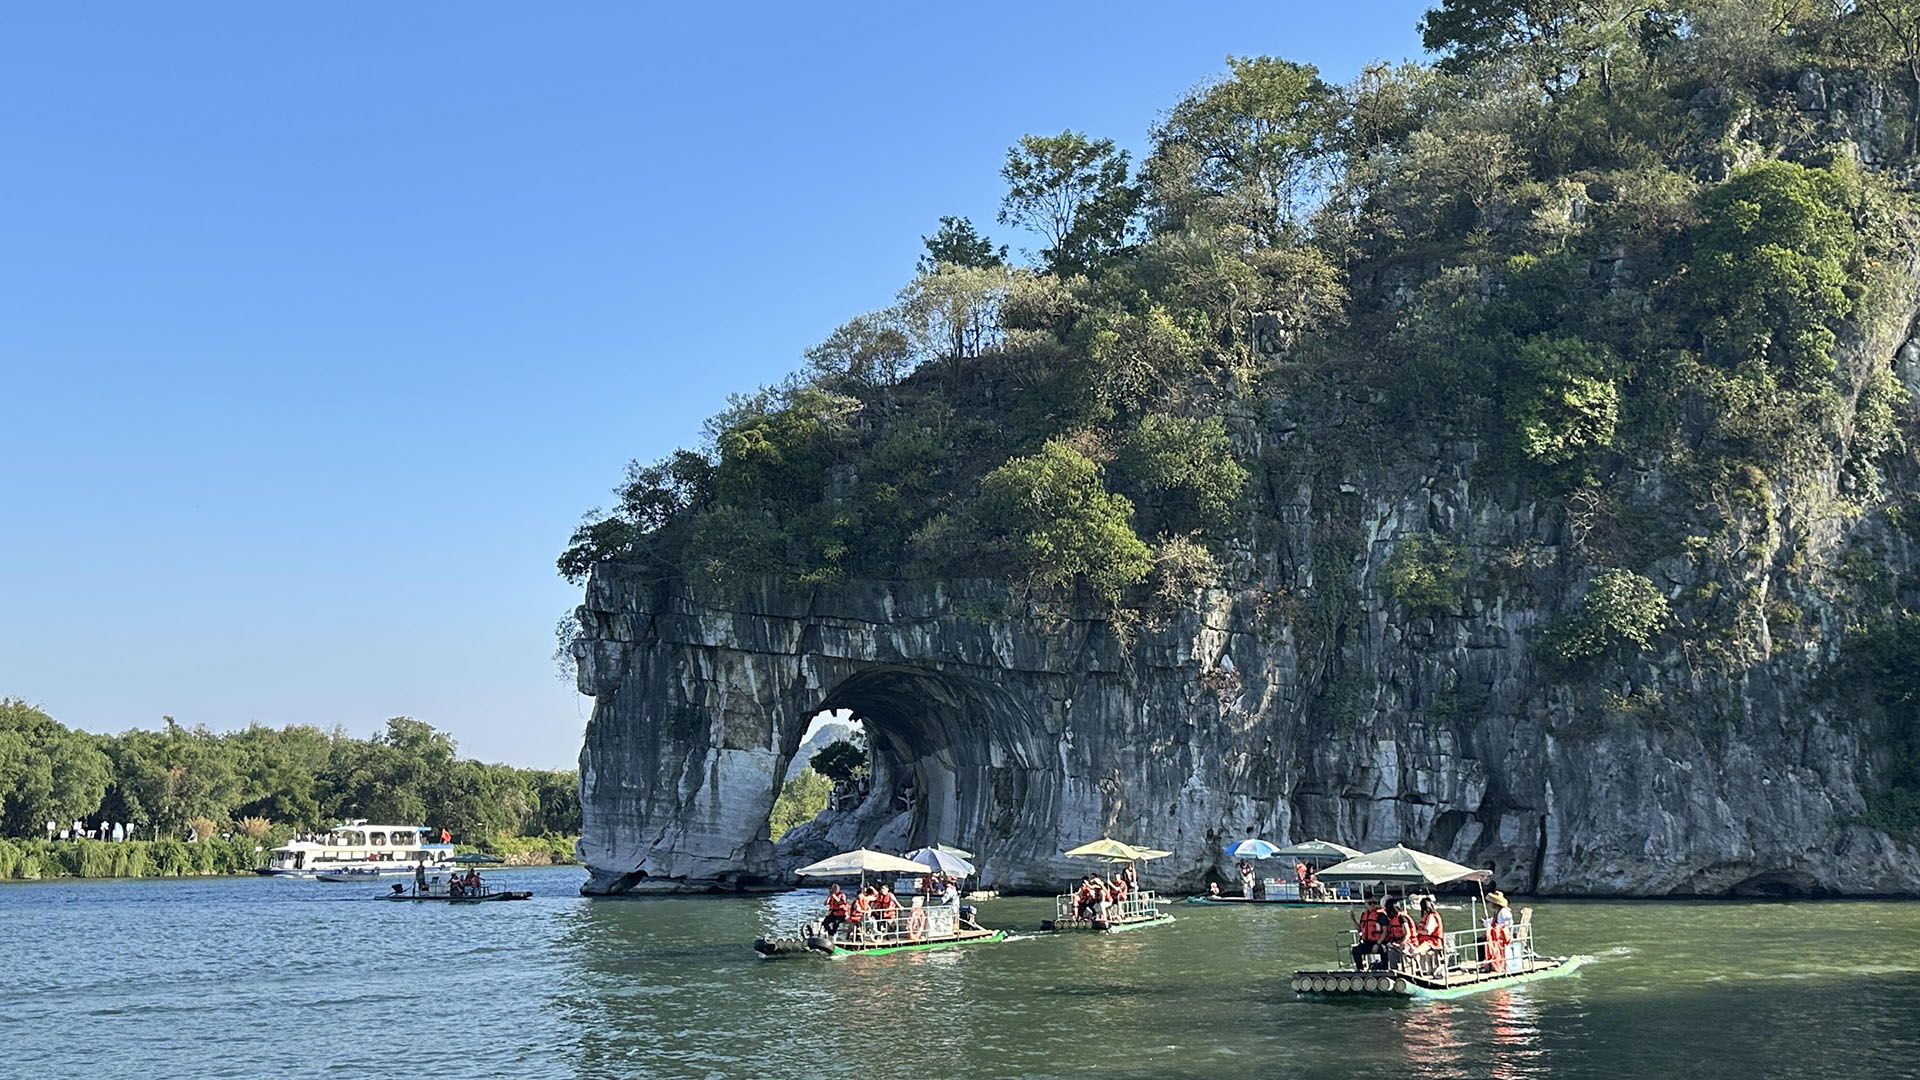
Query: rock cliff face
[
  {"x": 1303, "y": 702},
  {"x": 1302, "y": 698}
]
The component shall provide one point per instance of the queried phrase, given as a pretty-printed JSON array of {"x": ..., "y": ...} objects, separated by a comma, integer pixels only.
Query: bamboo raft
[
  {"x": 814, "y": 944},
  {"x": 1449, "y": 984},
  {"x": 1101, "y": 926},
  {"x": 1135, "y": 912}
]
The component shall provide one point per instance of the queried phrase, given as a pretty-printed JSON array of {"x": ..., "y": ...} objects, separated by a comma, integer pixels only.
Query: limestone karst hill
[{"x": 1513, "y": 457}]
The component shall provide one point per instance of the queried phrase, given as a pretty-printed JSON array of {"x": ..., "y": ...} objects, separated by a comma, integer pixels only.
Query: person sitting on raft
[
  {"x": 1117, "y": 889},
  {"x": 1399, "y": 935},
  {"x": 1430, "y": 939},
  {"x": 1085, "y": 903},
  {"x": 858, "y": 912},
  {"x": 1372, "y": 926},
  {"x": 886, "y": 912},
  {"x": 837, "y": 909}
]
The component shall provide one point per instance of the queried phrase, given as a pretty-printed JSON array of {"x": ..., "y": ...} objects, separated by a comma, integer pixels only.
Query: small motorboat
[{"x": 452, "y": 890}]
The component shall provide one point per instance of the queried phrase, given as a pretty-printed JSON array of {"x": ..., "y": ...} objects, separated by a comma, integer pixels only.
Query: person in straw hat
[{"x": 1499, "y": 930}]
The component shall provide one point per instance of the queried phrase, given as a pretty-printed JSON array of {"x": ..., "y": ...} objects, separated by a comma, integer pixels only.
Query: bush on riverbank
[
  {"x": 551, "y": 849},
  {"x": 34, "y": 859}
]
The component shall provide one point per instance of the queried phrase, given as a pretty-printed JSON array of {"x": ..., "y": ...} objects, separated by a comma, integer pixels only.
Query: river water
[{"x": 257, "y": 977}]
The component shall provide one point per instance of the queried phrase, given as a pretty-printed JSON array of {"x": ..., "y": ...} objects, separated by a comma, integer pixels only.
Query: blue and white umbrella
[
  {"x": 1252, "y": 848},
  {"x": 944, "y": 862}
]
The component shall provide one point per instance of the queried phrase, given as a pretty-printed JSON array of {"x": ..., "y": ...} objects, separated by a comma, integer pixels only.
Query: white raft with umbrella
[
  {"x": 919, "y": 925},
  {"x": 1138, "y": 908},
  {"x": 1490, "y": 954}
]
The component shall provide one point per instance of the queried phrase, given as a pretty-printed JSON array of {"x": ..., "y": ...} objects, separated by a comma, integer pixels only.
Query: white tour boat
[{"x": 357, "y": 850}]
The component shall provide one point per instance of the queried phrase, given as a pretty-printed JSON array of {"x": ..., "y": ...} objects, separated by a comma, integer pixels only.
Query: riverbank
[{"x": 40, "y": 860}]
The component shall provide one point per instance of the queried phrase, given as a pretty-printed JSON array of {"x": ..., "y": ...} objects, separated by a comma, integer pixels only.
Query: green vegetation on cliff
[
  {"x": 1650, "y": 260},
  {"x": 263, "y": 784}
]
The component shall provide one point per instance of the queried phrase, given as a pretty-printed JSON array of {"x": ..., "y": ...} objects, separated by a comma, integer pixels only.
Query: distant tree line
[{"x": 263, "y": 782}]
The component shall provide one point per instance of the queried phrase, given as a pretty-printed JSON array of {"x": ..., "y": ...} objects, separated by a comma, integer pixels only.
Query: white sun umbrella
[
  {"x": 1401, "y": 865},
  {"x": 1316, "y": 849},
  {"x": 861, "y": 861},
  {"x": 940, "y": 860}
]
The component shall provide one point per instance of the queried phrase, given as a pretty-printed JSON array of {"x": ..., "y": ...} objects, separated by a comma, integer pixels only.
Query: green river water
[{"x": 256, "y": 977}]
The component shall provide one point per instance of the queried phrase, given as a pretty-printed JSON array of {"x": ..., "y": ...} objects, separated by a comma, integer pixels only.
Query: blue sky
[{"x": 321, "y": 326}]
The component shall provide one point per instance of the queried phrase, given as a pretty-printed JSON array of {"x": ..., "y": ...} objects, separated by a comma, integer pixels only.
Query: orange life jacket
[
  {"x": 837, "y": 905},
  {"x": 1370, "y": 924},
  {"x": 1431, "y": 931},
  {"x": 1399, "y": 927}
]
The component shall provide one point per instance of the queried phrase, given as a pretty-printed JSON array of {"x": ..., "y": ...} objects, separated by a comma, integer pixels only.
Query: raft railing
[
  {"x": 905, "y": 926},
  {"x": 1462, "y": 950},
  {"x": 1136, "y": 907},
  {"x": 1288, "y": 889}
]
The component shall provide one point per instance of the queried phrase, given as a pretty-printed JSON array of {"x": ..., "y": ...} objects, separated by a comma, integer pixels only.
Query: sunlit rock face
[{"x": 1017, "y": 732}]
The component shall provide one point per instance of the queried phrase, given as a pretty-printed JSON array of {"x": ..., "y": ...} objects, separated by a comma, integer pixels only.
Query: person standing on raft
[{"x": 1499, "y": 931}]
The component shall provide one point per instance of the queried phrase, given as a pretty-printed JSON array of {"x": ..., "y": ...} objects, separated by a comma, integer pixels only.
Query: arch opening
[
  {"x": 949, "y": 762},
  {"x": 830, "y": 772}
]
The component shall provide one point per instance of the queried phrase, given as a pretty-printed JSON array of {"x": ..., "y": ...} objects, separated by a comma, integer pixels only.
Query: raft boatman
[
  {"x": 837, "y": 908},
  {"x": 1372, "y": 926}
]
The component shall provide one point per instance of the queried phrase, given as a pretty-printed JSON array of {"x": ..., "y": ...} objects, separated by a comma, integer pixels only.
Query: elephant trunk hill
[{"x": 1517, "y": 460}]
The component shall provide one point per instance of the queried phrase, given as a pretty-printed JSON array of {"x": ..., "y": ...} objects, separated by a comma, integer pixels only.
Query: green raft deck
[
  {"x": 1453, "y": 983},
  {"x": 1280, "y": 902},
  {"x": 914, "y": 929},
  {"x": 964, "y": 937}
]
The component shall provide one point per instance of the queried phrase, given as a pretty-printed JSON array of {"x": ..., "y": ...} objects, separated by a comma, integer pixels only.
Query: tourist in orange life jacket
[
  {"x": 1083, "y": 903},
  {"x": 1118, "y": 889},
  {"x": 1430, "y": 939},
  {"x": 1372, "y": 926},
  {"x": 886, "y": 911},
  {"x": 862, "y": 907},
  {"x": 1132, "y": 878},
  {"x": 1301, "y": 875},
  {"x": 1399, "y": 934},
  {"x": 837, "y": 908}
]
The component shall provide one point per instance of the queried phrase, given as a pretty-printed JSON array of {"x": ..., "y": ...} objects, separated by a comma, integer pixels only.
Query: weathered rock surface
[{"x": 1265, "y": 710}]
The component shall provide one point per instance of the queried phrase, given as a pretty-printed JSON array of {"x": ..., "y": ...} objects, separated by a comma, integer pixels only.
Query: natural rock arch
[{"x": 975, "y": 763}]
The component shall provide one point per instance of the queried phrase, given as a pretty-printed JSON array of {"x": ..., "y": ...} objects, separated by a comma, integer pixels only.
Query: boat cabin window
[{"x": 377, "y": 839}]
